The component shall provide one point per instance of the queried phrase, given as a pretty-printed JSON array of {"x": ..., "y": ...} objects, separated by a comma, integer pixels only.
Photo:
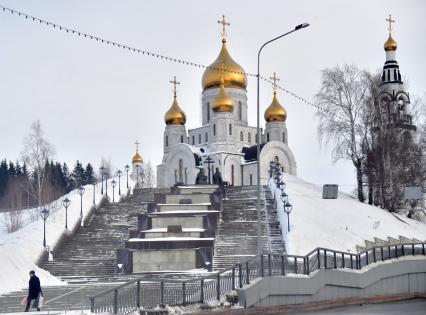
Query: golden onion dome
[
  {"x": 390, "y": 44},
  {"x": 223, "y": 103},
  {"x": 137, "y": 158},
  {"x": 175, "y": 115},
  {"x": 224, "y": 67},
  {"x": 275, "y": 112}
]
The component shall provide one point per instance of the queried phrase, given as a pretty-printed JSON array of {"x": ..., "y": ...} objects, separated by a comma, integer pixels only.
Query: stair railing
[
  {"x": 148, "y": 292},
  {"x": 64, "y": 298}
]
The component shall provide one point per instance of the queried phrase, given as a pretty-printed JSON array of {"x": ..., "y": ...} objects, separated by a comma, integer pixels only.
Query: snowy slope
[
  {"x": 19, "y": 251},
  {"x": 338, "y": 224}
]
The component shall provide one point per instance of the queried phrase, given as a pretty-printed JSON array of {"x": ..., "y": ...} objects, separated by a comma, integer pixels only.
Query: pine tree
[
  {"x": 89, "y": 176},
  {"x": 78, "y": 174},
  {"x": 12, "y": 169},
  {"x": 67, "y": 179},
  {"x": 4, "y": 176}
]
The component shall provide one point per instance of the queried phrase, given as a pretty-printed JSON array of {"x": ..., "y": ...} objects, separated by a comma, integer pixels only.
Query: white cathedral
[{"x": 224, "y": 141}]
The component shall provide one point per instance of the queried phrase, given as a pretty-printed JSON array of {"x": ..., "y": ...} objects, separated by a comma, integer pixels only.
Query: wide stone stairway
[
  {"x": 236, "y": 238},
  {"x": 91, "y": 252}
]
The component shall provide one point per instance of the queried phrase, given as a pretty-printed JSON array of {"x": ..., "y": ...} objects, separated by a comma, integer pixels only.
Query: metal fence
[{"x": 153, "y": 292}]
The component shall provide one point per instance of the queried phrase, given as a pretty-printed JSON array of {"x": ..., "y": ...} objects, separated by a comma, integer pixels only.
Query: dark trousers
[{"x": 27, "y": 308}]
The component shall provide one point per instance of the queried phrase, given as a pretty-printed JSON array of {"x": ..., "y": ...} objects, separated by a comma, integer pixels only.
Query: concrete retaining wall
[
  {"x": 405, "y": 275},
  {"x": 154, "y": 260}
]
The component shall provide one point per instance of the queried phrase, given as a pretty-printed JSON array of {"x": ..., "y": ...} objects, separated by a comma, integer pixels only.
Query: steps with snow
[{"x": 236, "y": 238}]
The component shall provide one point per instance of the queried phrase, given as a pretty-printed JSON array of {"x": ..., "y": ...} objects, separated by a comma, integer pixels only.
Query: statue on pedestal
[
  {"x": 217, "y": 177},
  {"x": 201, "y": 178}
]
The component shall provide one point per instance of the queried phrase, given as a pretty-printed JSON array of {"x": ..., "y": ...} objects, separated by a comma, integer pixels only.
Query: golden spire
[
  {"x": 175, "y": 115},
  {"x": 275, "y": 112},
  {"x": 390, "y": 44},
  {"x": 137, "y": 158},
  {"x": 233, "y": 74},
  {"x": 224, "y": 25}
]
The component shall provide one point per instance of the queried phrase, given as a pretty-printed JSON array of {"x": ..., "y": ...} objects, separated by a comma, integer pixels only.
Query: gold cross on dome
[
  {"x": 224, "y": 25},
  {"x": 390, "y": 23},
  {"x": 275, "y": 79},
  {"x": 137, "y": 145},
  {"x": 175, "y": 83}
]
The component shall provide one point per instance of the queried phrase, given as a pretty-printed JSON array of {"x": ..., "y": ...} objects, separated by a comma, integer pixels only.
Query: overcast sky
[{"x": 95, "y": 100}]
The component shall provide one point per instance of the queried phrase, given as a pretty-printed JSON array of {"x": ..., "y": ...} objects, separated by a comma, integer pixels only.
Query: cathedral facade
[{"x": 224, "y": 141}]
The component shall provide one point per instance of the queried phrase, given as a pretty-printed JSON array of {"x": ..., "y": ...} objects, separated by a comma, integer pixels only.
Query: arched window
[
  {"x": 206, "y": 137},
  {"x": 232, "y": 174},
  {"x": 230, "y": 129},
  {"x": 241, "y": 136},
  {"x": 240, "y": 111},
  {"x": 284, "y": 137},
  {"x": 193, "y": 140},
  {"x": 208, "y": 111},
  {"x": 249, "y": 137},
  {"x": 267, "y": 136},
  {"x": 167, "y": 141},
  {"x": 251, "y": 180},
  {"x": 181, "y": 139},
  {"x": 199, "y": 138},
  {"x": 214, "y": 129}
]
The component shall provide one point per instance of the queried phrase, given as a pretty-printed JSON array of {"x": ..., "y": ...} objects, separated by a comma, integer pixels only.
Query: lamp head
[
  {"x": 113, "y": 183},
  {"x": 127, "y": 167},
  {"x": 66, "y": 202},
  {"x": 44, "y": 214},
  {"x": 119, "y": 173},
  {"x": 81, "y": 190},
  {"x": 300, "y": 26}
]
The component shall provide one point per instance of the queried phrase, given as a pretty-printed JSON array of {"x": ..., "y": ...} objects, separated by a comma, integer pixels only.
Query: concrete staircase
[
  {"x": 91, "y": 251},
  {"x": 389, "y": 242},
  {"x": 236, "y": 238}
]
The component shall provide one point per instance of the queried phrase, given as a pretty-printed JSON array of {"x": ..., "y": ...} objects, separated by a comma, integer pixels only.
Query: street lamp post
[
  {"x": 127, "y": 168},
  {"x": 102, "y": 169},
  {"x": 66, "y": 203},
  {"x": 113, "y": 183},
  {"x": 287, "y": 209},
  {"x": 119, "y": 182},
  {"x": 259, "y": 226},
  {"x": 44, "y": 215},
  {"x": 81, "y": 192}
]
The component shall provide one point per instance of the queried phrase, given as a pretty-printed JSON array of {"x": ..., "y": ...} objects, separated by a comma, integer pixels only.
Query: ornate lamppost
[
  {"x": 287, "y": 209},
  {"x": 80, "y": 191},
  {"x": 127, "y": 168},
  {"x": 102, "y": 169},
  {"x": 113, "y": 183},
  {"x": 66, "y": 203},
  {"x": 44, "y": 215},
  {"x": 119, "y": 181}
]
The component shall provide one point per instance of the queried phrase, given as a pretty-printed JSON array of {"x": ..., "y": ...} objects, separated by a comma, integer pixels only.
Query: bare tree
[
  {"x": 37, "y": 150},
  {"x": 149, "y": 175},
  {"x": 343, "y": 94}
]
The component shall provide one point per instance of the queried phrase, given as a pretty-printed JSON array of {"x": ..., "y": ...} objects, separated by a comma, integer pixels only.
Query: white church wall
[
  {"x": 285, "y": 157},
  {"x": 180, "y": 158},
  {"x": 249, "y": 174}
]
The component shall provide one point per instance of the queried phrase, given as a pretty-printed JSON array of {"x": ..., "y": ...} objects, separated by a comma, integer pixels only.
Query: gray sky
[{"x": 95, "y": 100}]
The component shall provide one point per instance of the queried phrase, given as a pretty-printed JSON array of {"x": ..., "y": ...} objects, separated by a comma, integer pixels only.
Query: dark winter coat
[{"x": 34, "y": 287}]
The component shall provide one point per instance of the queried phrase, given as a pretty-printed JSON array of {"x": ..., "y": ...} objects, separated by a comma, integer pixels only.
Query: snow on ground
[
  {"x": 19, "y": 251},
  {"x": 338, "y": 224}
]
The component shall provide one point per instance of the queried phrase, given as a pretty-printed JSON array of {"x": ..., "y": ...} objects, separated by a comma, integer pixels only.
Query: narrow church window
[
  {"x": 199, "y": 138},
  {"x": 232, "y": 175},
  {"x": 389, "y": 77},
  {"x": 206, "y": 137},
  {"x": 167, "y": 141},
  {"x": 241, "y": 136},
  {"x": 208, "y": 111},
  {"x": 193, "y": 140},
  {"x": 181, "y": 139},
  {"x": 284, "y": 137},
  {"x": 214, "y": 130},
  {"x": 230, "y": 129},
  {"x": 180, "y": 170},
  {"x": 240, "y": 111},
  {"x": 251, "y": 180},
  {"x": 267, "y": 136},
  {"x": 249, "y": 137}
]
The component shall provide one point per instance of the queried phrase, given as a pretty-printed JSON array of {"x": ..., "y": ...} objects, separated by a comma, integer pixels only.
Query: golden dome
[
  {"x": 224, "y": 67},
  {"x": 223, "y": 103},
  {"x": 137, "y": 158},
  {"x": 175, "y": 115},
  {"x": 390, "y": 44},
  {"x": 275, "y": 112}
]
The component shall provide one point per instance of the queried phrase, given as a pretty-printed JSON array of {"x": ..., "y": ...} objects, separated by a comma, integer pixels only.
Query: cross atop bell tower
[
  {"x": 175, "y": 84},
  {"x": 274, "y": 80},
  {"x": 224, "y": 25},
  {"x": 390, "y": 21}
]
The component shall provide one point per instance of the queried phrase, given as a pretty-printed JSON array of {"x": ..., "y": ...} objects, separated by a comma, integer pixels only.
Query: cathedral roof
[
  {"x": 250, "y": 153},
  {"x": 390, "y": 44},
  {"x": 175, "y": 115},
  {"x": 275, "y": 112},
  {"x": 223, "y": 103},
  {"x": 137, "y": 158}
]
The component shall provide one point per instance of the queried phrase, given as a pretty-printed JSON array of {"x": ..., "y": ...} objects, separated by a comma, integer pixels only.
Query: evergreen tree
[
  {"x": 67, "y": 179},
  {"x": 78, "y": 174},
  {"x": 12, "y": 169},
  {"x": 4, "y": 176},
  {"x": 89, "y": 176}
]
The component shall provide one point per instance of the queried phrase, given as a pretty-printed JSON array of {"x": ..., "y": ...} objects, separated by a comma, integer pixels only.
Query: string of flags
[{"x": 152, "y": 54}]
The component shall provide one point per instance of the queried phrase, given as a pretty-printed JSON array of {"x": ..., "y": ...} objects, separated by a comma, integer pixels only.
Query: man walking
[{"x": 34, "y": 291}]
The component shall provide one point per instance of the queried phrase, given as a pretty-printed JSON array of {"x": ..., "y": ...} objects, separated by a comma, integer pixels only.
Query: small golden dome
[
  {"x": 275, "y": 112},
  {"x": 223, "y": 103},
  {"x": 224, "y": 67},
  {"x": 175, "y": 115},
  {"x": 390, "y": 44},
  {"x": 137, "y": 158}
]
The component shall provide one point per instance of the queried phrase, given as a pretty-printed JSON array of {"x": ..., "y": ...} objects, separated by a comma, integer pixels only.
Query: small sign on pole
[{"x": 413, "y": 193}]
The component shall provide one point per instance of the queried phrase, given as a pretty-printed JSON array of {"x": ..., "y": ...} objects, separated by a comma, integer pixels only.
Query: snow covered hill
[{"x": 338, "y": 224}]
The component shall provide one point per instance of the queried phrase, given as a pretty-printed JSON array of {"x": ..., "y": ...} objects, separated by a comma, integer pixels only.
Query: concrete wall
[
  {"x": 182, "y": 207},
  {"x": 406, "y": 275},
  {"x": 169, "y": 234},
  {"x": 195, "y": 198},
  {"x": 155, "y": 260},
  {"x": 185, "y": 222}
]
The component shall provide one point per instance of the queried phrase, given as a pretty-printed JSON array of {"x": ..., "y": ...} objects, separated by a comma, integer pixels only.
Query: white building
[{"x": 224, "y": 135}]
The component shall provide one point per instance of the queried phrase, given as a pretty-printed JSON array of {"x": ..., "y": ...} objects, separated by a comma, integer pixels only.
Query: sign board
[
  {"x": 413, "y": 193},
  {"x": 330, "y": 191}
]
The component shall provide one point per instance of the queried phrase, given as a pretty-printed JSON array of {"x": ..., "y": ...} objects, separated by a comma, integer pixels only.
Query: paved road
[{"x": 412, "y": 307}]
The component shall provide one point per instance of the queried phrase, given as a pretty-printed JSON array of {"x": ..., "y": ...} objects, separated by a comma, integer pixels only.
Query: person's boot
[{"x": 38, "y": 309}]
